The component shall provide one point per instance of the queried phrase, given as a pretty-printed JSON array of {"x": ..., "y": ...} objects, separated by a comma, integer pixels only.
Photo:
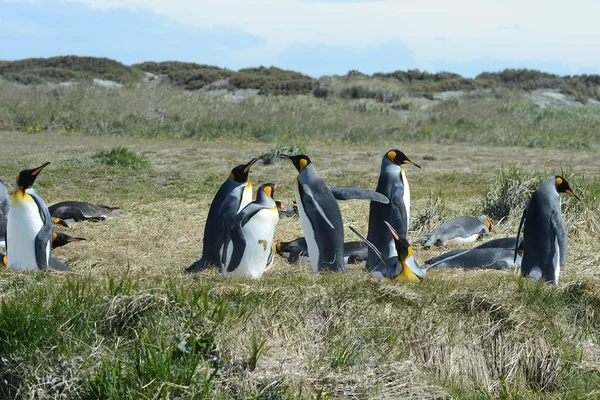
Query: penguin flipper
[
  {"x": 400, "y": 218},
  {"x": 235, "y": 233},
  {"x": 371, "y": 245},
  {"x": 357, "y": 193},
  {"x": 523, "y": 217},
  {"x": 310, "y": 202},
  {"x": 562, "y": 237},
  {"x": 44, "y": 236}
]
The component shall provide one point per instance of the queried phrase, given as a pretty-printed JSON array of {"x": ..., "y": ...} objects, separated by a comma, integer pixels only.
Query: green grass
[
  {"x": 507, "y": 118},
  {"x": 120, "y": 156}
]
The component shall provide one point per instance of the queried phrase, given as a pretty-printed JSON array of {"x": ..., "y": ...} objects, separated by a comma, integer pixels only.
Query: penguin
[
  {"x": 290, "y": 212},
  {"x": 4, "y": 200},
  {"x": 545, "y": 236},
  {"x": 61, "y": 222},
  {"x": 403, "y": 266},
  {"x": 477, "y": 258},
  {"x": 503, "y": 243},
  {"x": 80, "y": 211},
  {"x": 248, "y": 242},
  {"x": 354, "y": 252},
  {"x": 459, "y": 230},
  {"x": 235, "y": 193},
  {"x": 394, "y": 185},
  {"x": 53, "y": 263},
  {"x": 2, "y": 231},
  {"x": 60, "y": 239},
  {"x": 29, "y": 226},
  {"x": 320, "y": 217}
]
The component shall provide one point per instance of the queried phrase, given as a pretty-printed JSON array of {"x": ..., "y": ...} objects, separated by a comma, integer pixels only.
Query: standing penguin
[
  {"x": 320, "y": 217},
  {"x": 545, "y": 241},
  {"x": 29, "y": 226},
  {"x": 392, "y": 184},
  {"x": 248, "y": 243},
  {"x": 401, "y": 266},
  {"x": 234, "y": 193}
]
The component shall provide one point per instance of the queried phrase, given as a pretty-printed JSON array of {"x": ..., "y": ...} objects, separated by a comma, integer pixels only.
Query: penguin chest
[
  {"x": 258, "y": 235},
  {"x": 460, "y": 240},
  {"x": 246, "y": 196},
  {"x": 23, "y": 225},
  {"x": 307, "y": 229},
  {"x": 406, "y": 198}
]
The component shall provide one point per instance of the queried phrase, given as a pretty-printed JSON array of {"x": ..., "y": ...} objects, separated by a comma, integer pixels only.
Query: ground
[{"x": 348, "y": 344}]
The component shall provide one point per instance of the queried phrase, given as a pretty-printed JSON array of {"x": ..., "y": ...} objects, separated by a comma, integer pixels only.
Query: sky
[{"x": 316, "y": 37}]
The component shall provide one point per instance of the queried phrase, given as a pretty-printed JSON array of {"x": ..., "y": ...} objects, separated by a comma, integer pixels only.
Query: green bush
[{"x": 120, "y": 156}]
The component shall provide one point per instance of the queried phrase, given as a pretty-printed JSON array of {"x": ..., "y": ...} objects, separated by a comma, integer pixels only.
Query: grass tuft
[
  {"x": 272, "y": 156},
  {"x": 120, "y": 156}
]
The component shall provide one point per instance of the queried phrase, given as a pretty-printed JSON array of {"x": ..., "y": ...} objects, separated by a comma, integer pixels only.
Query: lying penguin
[
  {"x": 402, "y": 267},
  {"x": 354, "y": 252},
  {"x": 81, "y": 211},
  {"x": 477, "y": 258},
  {"x": 462, "y": 229}
]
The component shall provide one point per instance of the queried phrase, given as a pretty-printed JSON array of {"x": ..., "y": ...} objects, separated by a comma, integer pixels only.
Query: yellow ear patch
[
  {"x": 391, "y": 155},
  {"x": 303, "y": 163},
  {"x": 268, "y": 191},
  {"x": 278, "y": 247},
  {"x": 559, "y": 181},
  {"x": 410, "y": 252},
  {"x": 56, "y": 220},
  {"x": 5, "y": 261},
  {"x": 54, "y": 236},
  {"x": 18, "y": 176},
  {"x": 488, "y": 224}
]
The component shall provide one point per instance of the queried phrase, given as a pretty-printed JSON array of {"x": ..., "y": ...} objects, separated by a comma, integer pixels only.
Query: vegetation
[
  {"x": 127, "y": 322},
  {"x": 67, "y": 68},
  {"x": 120, "y": 156}
]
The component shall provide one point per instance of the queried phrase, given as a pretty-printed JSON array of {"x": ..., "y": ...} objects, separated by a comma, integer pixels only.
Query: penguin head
[
  {"x": 240, "y": 173},
  {"x": 26, "y": 178},
  {"x": 60, "y": 222},
  {"x": 410, "y": 269},
  {"x": 562, "y": 186},
  {"x": 278, "y": 247},
  {"x": 269, "y": 189},
  {"x": 399, "y": 158},
  {"x": 300, "y": 161},
  {"x": 488, "y": 223},
  {"x": 60, "y": 239}
]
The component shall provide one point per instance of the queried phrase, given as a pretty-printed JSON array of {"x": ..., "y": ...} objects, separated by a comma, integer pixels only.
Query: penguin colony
[{"x": 238, "y": 234}]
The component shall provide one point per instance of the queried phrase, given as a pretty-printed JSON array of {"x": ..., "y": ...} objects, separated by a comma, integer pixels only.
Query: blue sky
[{"x": 316, "y": 37}]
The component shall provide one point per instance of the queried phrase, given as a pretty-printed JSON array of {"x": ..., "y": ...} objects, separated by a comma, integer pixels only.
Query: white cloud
[{"x": 548, "y": 29}]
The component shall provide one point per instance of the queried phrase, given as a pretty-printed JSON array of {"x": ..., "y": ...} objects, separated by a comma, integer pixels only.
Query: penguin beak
[
  {"x": 39, "y": 169},
  {"x": 392, "y": 230},
  {"x": 411, "y": 163},
  {"x": 570, "y": 193},
  {"x": 285, "y": 157},
  {"x": 249, "y": 165},
  {"x": 75, "y": 239}
]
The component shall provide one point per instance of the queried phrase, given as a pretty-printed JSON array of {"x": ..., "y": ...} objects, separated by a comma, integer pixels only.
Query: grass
[
  {"x": 127, "y": 322},
  {"x": 119, "y": 156},
  {"x": 503, "y": 118}
]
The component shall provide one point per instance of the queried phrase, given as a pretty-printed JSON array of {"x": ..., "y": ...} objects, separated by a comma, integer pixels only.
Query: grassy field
[{"x": 127, "y": 322}]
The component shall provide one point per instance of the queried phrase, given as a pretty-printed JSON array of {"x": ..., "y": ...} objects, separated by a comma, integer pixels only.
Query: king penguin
[
  {"x": 235, "y": 193},
  {"x": 60, "y": 239},
  {"x": 29, "y": 226},
  {"x": 394, "y": 185},
  {"x": 462, "y": 229},
  {"x": 81, "y": 211},
  {"x": 477, "y": 258},
  {"x": 402, "y": 266},
  {"x": 354, "y": 252},
  {"x": 545, "y": 236},
  {"x": 248, "y": 242},
  {"x": 320, "y": 217}
]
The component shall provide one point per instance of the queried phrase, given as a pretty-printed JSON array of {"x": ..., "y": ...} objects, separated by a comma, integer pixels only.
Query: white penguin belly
[
  {"x": 258, "y": 233},
  {"x": 24, "y": 223},
  {"x": 406, "y": 199},
  {"x": 556, "y": 260},
  {"x": 246, "y": 196},
  {"x": 460, "y": 240},
  {"x": 309, "y": 234}
]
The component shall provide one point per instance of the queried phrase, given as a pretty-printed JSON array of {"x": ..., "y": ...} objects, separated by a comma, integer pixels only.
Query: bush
[{"x": 120, "y": 156}]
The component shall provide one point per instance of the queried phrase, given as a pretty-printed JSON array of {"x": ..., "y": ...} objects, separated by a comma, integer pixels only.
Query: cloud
[{"x": 130, "y": 36}]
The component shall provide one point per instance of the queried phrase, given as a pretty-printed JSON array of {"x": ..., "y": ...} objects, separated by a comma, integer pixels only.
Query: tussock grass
[{"x": 120, "y": 156}]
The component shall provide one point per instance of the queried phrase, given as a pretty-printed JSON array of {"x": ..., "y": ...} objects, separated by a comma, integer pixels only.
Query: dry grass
[{"x": 126, "y": 322}]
